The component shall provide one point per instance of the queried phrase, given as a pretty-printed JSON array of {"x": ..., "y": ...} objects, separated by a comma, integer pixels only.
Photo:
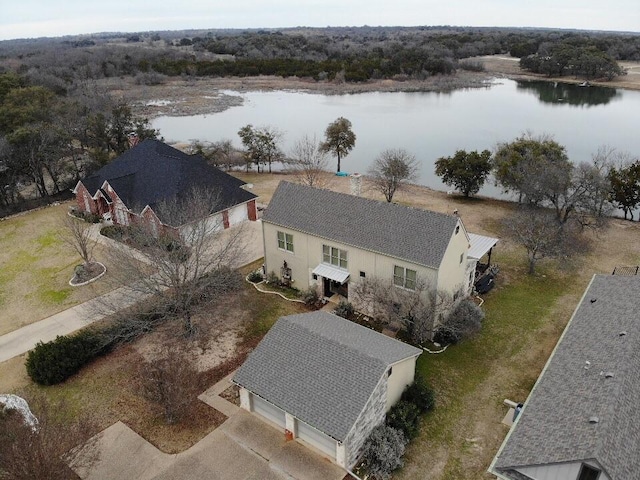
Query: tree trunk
[{"x": 338, "y": 163}]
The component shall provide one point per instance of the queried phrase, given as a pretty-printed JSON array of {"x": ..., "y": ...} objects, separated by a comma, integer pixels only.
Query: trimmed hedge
[{"x": 53, "y": 362}]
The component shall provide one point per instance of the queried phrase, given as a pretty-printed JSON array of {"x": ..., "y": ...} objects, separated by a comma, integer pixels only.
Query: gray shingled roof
[
  {"x": 152, "y": 172},
  {"x": 415, "y": 235},
  {"x": 554, "y": 425},
  {"x": 320, "y": 368}
]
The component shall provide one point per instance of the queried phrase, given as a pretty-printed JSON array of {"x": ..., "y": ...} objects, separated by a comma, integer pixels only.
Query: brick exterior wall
[
  {"x": 252, "y": 210},
  {"x": 84, "y": 199},
  {"x": 371, "y": 416}
]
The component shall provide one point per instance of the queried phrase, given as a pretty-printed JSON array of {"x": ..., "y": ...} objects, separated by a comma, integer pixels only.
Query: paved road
[{"x": 24, "y": 339}]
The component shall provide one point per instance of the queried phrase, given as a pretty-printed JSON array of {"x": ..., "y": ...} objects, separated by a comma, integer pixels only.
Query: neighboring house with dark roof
[
  {"x": 332, "y": 240},
  {"x": 581, "y": 419},
  {"x": 135, "y": 185},
  {"x": 326, "y": 380}
]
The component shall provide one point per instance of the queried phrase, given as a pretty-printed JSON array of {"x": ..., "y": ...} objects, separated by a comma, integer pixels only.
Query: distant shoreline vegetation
[{"x": 345, "y": 54}]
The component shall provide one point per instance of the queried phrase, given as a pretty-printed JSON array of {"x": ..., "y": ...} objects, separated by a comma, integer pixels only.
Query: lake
[{"x": 431, "y": 125}]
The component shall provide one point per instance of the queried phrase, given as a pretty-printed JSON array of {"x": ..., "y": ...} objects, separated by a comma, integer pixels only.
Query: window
[
  {"x": 334, "y": 256},
  {"x": 457, "y": 229},
  {"x": 362, "y": 274},
  {"x": 404, "y": 277},
  {"x": 588, "y": 473},
  {"x": 285, "y": 241}
]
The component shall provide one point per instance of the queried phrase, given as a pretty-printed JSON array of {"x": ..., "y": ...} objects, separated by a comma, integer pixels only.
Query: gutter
[{"x": 491, "y": 468}]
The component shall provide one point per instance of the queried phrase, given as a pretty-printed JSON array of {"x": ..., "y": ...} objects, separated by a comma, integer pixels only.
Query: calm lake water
[{"x": 432, "y": 125}]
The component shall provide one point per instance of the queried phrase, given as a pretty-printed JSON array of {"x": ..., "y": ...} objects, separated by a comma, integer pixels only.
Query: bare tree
[
  {"x": 77, "y": 234},
  {"x": 181, "y": 266},
  {"x": 47, "y": 450},
  {"x": 419, "y": 310},
  {"x": 309, "y": 162},
  {"x": 542, "y": 235},
  {"x": 391, "y": 170},
  {"x": 169, "y": 381}
]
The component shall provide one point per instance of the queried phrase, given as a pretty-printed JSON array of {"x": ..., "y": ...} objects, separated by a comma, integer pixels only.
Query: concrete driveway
[{"x": 242, "y": 448}]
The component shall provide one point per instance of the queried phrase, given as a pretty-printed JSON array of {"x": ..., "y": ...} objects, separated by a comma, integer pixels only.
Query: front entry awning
[
  {"x": 480, "y": 245},
  {"x": 334, "y": 273}
]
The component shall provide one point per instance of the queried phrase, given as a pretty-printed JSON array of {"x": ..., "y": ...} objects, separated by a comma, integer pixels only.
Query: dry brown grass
[{"x": 110, "y": 388}]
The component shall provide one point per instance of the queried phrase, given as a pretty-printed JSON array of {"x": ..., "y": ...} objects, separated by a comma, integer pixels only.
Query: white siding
[
  {"x": 558, "y": 471},
  {"x": 452, "y": 274},
  {"x": 402, "y": 375},
  {"x": 238, "y": 214},
  {"x": 307, "y": 255}
]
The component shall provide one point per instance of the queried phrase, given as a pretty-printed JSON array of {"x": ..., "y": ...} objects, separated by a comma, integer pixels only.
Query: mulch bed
[
  {"x": 84, "y": 273},
  {"x": 232, "y": 394}
]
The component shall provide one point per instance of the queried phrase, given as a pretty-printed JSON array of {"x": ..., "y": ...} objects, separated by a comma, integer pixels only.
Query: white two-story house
[{"x": 331, "y": 240}]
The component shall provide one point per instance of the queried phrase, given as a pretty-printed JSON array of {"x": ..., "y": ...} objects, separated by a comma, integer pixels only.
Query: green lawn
[
  {"x": 472, "y": 378},
  {"x": 36, "y": 268}
]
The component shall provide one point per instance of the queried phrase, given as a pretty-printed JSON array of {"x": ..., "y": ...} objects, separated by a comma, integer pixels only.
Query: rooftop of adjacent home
[{"x": 584, "y": 406}]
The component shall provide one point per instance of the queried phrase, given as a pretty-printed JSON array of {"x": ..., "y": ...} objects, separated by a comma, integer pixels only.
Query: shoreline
[{"x": 208, "y": 95}]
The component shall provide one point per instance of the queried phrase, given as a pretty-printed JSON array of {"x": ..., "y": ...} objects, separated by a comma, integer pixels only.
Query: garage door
[
  {"x": 317, "y": 439},
  {"x": 267, "y": 410},
  {"x": 238, "y": 214}
]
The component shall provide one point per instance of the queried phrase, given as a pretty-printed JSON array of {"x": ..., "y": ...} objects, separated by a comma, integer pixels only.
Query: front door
[{"x": 326, "y": 287}]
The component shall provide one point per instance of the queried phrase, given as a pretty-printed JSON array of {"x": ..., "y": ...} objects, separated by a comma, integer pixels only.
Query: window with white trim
[
  {"x": 334, "y": 256},
  {"x": 285, "y": 241},
  {"x": 404, "y": 277}
]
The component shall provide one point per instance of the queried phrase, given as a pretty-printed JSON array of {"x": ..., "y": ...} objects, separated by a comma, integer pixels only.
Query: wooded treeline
[
  {"x": 49, "y": 142},
  {"x": 350, "y": 54}
]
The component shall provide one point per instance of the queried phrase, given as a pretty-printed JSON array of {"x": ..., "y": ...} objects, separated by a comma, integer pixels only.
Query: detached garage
[{"x": 325, "y": 381}]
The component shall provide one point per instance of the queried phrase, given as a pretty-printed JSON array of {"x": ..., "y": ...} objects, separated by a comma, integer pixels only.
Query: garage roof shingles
[
  {"x": 554, "y": 426},
  {"x": 411, "y": 234},
  {"x": 320, "y": 368}
]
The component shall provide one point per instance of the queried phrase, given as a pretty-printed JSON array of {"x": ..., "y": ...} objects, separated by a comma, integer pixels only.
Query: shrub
[
  {"x": 91, "y": 217},
  {"x": 311, "y": 297},
  {"x": 471, "y": 66},
  {"x": 115, "y": 232},
  {"x": 404, "y": 416},
  {"x": 383, "y": 450},
  {"x": 255, "y": 277},
  {"x": 419, "y": 394},
  {"x": 273, "y": 279},
  {"x": 344, "y": 309},
  {"x": 464, "y": 321},
  {"x": 53, "y": 362}
]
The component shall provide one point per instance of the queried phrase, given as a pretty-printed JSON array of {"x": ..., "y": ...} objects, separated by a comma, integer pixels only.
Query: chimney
[
  {"x": 356, "y": 184},
  {"x": 133, "y": 139}
]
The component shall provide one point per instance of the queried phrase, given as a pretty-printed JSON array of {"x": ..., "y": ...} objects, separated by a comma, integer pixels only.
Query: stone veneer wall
[{"x": 371, "y": 416}]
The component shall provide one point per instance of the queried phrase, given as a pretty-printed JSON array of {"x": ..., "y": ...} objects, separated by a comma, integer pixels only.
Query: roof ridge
[
  {"x": 336, "y": 341},
  {"x": 382, "y": 203}
]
